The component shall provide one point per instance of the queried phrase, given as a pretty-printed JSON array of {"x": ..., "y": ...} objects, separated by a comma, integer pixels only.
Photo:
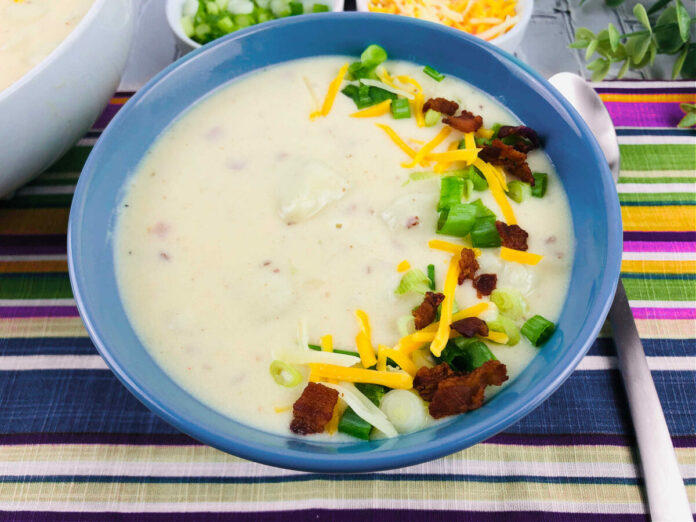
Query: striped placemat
[{"x": 75, "y": 445}]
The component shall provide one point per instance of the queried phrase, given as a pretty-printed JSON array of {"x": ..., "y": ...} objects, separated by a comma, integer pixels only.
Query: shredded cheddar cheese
[
  {"x": 331, "y": 93},
  {"x": 281, "y": 409},
  {"x": 399, "y": 357},
  {"x": 363, "y": 340},
  {"x": 327, "y": 343},
  {"x": 452, "y": 248},
  {"x": 397, "y": 140},
  {"x": 442, "y": 166},
  {"x": 403, "y": 266},
  {"x": 518, "y": 256},
  {"x": 443, "y": 330},
  {"x": 376, "y": 110},
  {"x": 398, "y": 380},
  {"x": 484, "y": 133},
  {"x": 332, "y": 425},
  {"x": 483, "y": 18},
  {"x": 417, "y": 108},
  {"x": 468, "y": 156},
  {"x": 469, "y": 141},
  {"x": 425, "y": 149},
  {"x": 496, "y": 190},
  {"x": 496, "y": 337}
]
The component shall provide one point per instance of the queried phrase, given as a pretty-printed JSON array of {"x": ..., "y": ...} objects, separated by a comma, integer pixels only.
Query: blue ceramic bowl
[{"x": 573, "y": 150}]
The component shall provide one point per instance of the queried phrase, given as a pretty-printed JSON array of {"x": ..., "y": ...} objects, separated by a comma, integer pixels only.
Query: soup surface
[
  {"x": 31, "y": 29},
  {"x": 246, "y": 217}
]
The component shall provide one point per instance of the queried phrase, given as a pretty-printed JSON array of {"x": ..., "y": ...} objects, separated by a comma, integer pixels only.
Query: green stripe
[
  {"x": 673, "y": 197},
  {"x": 73, "y": 161},
  {"x": 685, "y": 179},
  {"x": 53, "y": 182},
  {"x": 660, "y": 289},
  {"x": 35, "y": 286},
  {"x": 658, "y": 157},
  {"x": 35, "y": 201}
]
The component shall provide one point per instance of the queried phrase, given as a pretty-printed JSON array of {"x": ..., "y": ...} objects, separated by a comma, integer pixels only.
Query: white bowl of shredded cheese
[{"x": 501, "y": 22}]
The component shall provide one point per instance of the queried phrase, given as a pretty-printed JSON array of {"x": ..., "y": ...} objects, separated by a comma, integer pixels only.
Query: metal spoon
[{"x": 667, "y": 498}]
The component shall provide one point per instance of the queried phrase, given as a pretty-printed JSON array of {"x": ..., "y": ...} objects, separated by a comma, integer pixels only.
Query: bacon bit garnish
[
  {"x": 485, "y": 284},
  {"x": 427, "y": 379},
  {"x": 467, "y": 265},
  {"x": 314, "y": 409},
  {"x": 513, "y": 161},
  {"x": 412, "y": 222},
  {"x": 427, "y": 310},
  {"x": 465, "y": 122},
  {"x": 441, "y": 105},
  {"x": 470, "y": 326},
  {"x": 512, "y": 236}
]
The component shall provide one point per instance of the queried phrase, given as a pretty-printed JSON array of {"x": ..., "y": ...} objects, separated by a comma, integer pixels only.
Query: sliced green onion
[
  {"x": 187, "y": 26},
  {"x": 432, "y": 117},
  {"x": 468, "y": 188},
  {"x": 519, "y": 191},
  {"x": 480, "y": 142},
  {"x": 212, "y": 8},
  {"x": 451, "y": 192},
  {"x": 263, "y": 15},
  {"x": 484, "y": 234},
  {"x": 405, "y": 410},
  {"x": 374, "y": 392},
  {"x": 296, "y": 8},
  {"x": 364, "y": 98},
  {"x": 538, "y": 330},
  {"x": 320, "y": 8},
  {"x": 284, "y": 374},
  {"x": 202, "y": 30},
  {"x": 244, "y": 20},
  {"x": 495, "y": 129},
  {"x": 510, "y": 302},
  {"x": 457, "y": 220},
  {"x": 400, "y": 109},
  {"x": 353, "y": 425},
  {"x": 373, "y": 56},
  {"x": 481, "y": 209},
  {"x": 477, "y": 179},
  {"x": 379, "y": 95},
  {"x": 404, "y": 325},
  {"x": 431, "y": 276},
  {"x": 226, "y": 24},
  {"x": 465, "y": 355},
  {"x": 280, "y": 8},
  {"x": 419, "y": 176},
  {"x": 413, "y": 281},
  {"x": 435, "y": 75},
  {"x": 507, "y": 326},
  {"x": 513, "y": 139},
  {"x": 541, "y": 181}
]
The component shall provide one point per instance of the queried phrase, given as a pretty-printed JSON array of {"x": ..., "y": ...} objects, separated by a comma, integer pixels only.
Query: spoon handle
[{"x": 663, "y": 482}]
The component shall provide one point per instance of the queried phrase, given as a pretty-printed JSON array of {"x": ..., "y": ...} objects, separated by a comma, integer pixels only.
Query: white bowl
[
  {"x": 186, "y": 44},
  {"x": 509, "y": 41},
  {"x": 47, "y": 110}
]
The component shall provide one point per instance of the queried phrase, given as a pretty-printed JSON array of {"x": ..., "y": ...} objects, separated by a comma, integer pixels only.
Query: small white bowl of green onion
[{"x": 197, "y": 22}]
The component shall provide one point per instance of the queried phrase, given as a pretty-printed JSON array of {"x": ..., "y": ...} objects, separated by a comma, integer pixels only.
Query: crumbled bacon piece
[
  {"x": 465, "y": 122},
  {"x": 427, "y": 379},
  {"x": 441, "y": 105},
  {"x": 512, "y": 236},
  {"x": 470, "y": 326},
  {"x": 413, "y": 221},
  {"x": 485, "y": 284},
  {"x": 529, "y": 134},
  {"x": 464, "y": 392},
  {"x": 513, "y": 161},
  {"x": 314, "y": 409},
  {"x": 427, "y": 310},
  {"x": 467, "y": 265}
]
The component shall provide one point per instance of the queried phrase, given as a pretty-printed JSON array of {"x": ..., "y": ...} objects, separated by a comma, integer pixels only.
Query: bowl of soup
[
  {"x": 348, "y": 253},
  {"x": 60, "y": 62}
]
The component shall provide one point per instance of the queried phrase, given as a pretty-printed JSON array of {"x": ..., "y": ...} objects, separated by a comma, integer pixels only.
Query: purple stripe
[
  {"x": 333, "y": 515},
  {"x": 677, "y": 89},
  {"x": 106, "y": 116},
  {"x": 15, "y": 312},
  {"x": 179, "y": 439},
  {"x": 689, "y": 236},
  {"x": 32, "y": 245},
  {"x": 664, "y": 313},
  {"x": 644, "y": 114},
  {"x": 658, "y": 246}
]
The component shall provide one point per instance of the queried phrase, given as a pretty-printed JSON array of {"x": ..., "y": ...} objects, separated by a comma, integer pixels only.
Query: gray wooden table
[{"x": 545, "y": 46}]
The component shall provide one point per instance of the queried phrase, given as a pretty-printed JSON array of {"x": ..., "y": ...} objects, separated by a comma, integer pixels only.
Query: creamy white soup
[
  {"x": 247, "y": 218},
  {"x": 31, "y": 29}
]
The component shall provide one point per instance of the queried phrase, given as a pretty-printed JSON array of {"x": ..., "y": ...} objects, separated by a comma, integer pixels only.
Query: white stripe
[
  {"x": 652, "y": 188},
  {"x": 659, "y": 256},
  {"x": 601, "y": 362},
  {"x": 371, "y": 500},
  {"x": 51, "y": 362},
  {"x": 21, "y": 258},
  {"x": 46, "y": 190},
  {"x": 642, "y": 84},
  {"x": 87, "y": 142},
  {"x": 658, "y": 174},
  {"x": 37, "y": 302},
  {"x": 653, "y": 139},
  {"x": 661, "y": 304}
]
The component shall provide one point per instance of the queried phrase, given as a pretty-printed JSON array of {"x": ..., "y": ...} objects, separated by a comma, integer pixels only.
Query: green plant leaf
[
  {"x": 583, "y": 33},
  {"x": 667, "y": 32},
  {"x": 679, "y": 62},
  {"x": 601, "y": 71},
  {"x": 689, "y": 120},
  {"x": 613, "y": 37},
  {"x": 642, "y": 16},
  {"x": 591, "y": 48},
  {"x": 641, "y": 44},
  {"x": 613, "y": 3},
  {"x": 657, "y": 6},
  {"x": 683, "y": 21},
  {"x": 597, "y": 64},
  {"x": 689, "y": 68},
  {"x": 579, "y": 44},
  {"x": 652, "y": 52},
  {"x": 623, "y": 69},
  {"x": 687, "y": 107}
]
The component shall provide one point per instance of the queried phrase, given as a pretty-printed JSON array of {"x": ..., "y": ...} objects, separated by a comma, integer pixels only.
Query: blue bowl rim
[{"x": 391, "y": 458}]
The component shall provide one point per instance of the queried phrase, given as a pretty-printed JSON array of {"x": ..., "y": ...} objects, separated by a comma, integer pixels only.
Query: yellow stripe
[
  {"x": 376, "y": 110},
  {"x": 654, "y": 98},
  {"x": 659, "y": 267},
  {"x": 17, "y": 267},
  {"x": 119, "y": 100},
  {"x": 42, "y": 327},
  {"x": 443, "y": 329},
  {"x": 402, "y": 381},
  {"x": 34, "y": 221},
  {"x": 654, "y": 219}
]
